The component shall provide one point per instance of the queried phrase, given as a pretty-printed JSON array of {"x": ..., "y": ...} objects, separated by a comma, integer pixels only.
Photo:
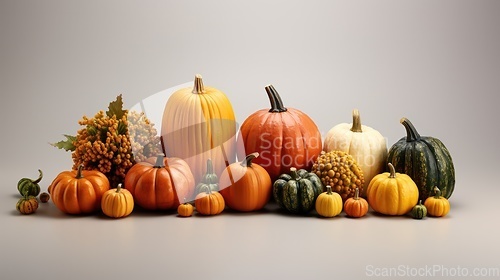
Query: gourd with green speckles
[
  {"x": 425, "y": 159},
  {"x": 27, "y": 186},
  {"x": 419, "y": 211},
  {"x": 297, "y": 192}
]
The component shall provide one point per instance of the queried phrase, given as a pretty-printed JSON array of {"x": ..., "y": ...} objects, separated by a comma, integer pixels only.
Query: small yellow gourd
[
  {"x": 185, "y": 209},
  {"x": 329, "y": 204},
  {"x": 117, "y": 203},
  {"x": 437, "y": 205}
]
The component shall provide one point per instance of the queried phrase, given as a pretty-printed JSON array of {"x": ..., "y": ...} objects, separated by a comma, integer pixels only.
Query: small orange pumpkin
[
  {"x": 209, "y": 202},
  {"x": 246, "y": 186},
  {"x": 157, "y": 184},
  {"x": 185, "y": 209},
  {"x": 79, "y": 191},
  {"x": 356, "y": 206},
  {"x": 437, "y": 205}
]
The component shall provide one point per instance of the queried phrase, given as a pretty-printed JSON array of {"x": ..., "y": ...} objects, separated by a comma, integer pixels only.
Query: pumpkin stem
[
  {"x": 247, "y": 162},
  {"x": 159, "y": 161},
  {"x": 210, "y": 167},
  {"x": 198, "y": 85},
  {"x": 411, "y": 132},
  {"x": 329, "y": 190},
  {"x": 119, "y": 187},
  {"x": 392, "y": 171},
  {"x": 293, "y": 173},
  {"x": 437, "y": 192},
  {"x": 79, "y": 174},
  {"x": 275, "y": 99},
  {"x": 356, "y": 121},
  {"x": 356, "y": 194},
  {"x": 39, "y": 177}
]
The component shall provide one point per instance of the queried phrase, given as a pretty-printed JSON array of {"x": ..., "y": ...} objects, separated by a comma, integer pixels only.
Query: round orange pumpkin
[
  {"x": 356, "y": 207},
  {"x": 79, "y": 191},
  {"x": 157, "y": 183},
  {"x": 284, "y": 137},
  {"x": 209, "y": 202},
  {"x": 185, "y": 210},
  {"x": 246, "y": 186}
]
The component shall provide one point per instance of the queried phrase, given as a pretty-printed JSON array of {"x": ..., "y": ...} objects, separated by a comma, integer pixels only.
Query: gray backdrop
[{"x": 434, "y": 62}]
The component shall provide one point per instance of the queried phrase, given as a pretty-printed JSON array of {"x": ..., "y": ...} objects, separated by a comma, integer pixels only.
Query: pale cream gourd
[
  {"x": 199, "y": 124},
  {"x": 365, "y": 144}
]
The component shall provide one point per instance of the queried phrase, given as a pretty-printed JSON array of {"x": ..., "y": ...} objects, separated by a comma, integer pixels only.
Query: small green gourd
[
  {"x": 209, "y": 180},
  {"x": 418, "y": 211},
  {"x": 27, "y": 186}
]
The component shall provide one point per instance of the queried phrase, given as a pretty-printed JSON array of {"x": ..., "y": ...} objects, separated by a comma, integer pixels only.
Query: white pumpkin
[{"x": 365, "y": 144}]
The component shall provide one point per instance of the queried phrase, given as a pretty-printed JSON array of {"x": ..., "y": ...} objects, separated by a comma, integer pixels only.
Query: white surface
[{"x": 435, "y": 62}]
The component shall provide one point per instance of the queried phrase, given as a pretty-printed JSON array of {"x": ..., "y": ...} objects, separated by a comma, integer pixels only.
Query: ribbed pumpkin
[
  {"x": 198, "y": 124},
  {"x": 117, "y": 203},
  {"x": 27, "y": 205},
  {"x": 365, "y": 144},
  {"x": 79, "y": 191},
  {"x": 356, "y": 206},
  {"x": 185, "y": 210},
  {"x": 437, "y": 205},
  {"x": 284, "y": 137},
  {"x": 158, "y": 183},
  {"x": 209, "y": 202},
  {"x": 425, "y": 159},
  {"x": 392, "y": 193},
  {"x": 297, "y": 192},
  {"x": 246, "y": 186},
  {"x": 329, "y": 204}
]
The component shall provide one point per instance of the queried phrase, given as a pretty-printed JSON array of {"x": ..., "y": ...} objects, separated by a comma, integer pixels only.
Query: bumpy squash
[
  {"x": 199, "y": 124},
  {"x": 284, "y": 137},
  {"x": 365, "y": 144},
  {"x": 297, "y": 192},
  {"x": 392, "y": 193},
  {"x": 425, "y": 159},
  {"x": 79, "y": 191},
  {"x": 246, "y": 186}
]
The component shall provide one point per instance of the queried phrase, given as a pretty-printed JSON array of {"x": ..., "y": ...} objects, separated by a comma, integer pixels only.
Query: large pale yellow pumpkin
[
  {"x": 365, "y": 144},
  {"x": 199, "y": 124}
]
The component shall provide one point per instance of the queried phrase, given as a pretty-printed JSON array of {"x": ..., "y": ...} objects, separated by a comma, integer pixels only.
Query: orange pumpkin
[
  {"x": 209, "y": 202},
  {"x": 198, "y": 124},
  {"x": 284, "y": 137},
  {"x": 157, "y": 183},
  {"x": 79, "y": 191},
  {"x": 356, "y": 206},
  {"x": 185, "y": 210},
  {"x": 246, "y": 186}
]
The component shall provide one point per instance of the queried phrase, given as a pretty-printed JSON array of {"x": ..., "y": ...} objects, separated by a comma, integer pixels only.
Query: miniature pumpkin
[
  {"x": 209, "y": 202},
  {"x": 157, "y": 183},
  {"x": 392, "y": 193},
  {"x": 28, "y": 187},
  {"x": 246, "y": 186},
  {"x": 210, "y": 179},
  {"x": 117, "y": 203},
  {"x": 340, "y": 171},
  {"x": 419, "y": 211},
  {"x": 44, "y": 197},
  {"x": 185, "y": 210},
  {"x": 425, "y": 159},
  {"x": 356, "y": 206},
  {"x": 366, "y": 145},
  {"x": 79, "y": 191},
  {"x": 27, "y": 205},
  {"x": 198, "y": 124},
  {"x": 297, "y": 192},
  {"x": 329, "y": 204},
  {"x": 437, "y": 205},
  {"x": 284, "y": 137}
]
